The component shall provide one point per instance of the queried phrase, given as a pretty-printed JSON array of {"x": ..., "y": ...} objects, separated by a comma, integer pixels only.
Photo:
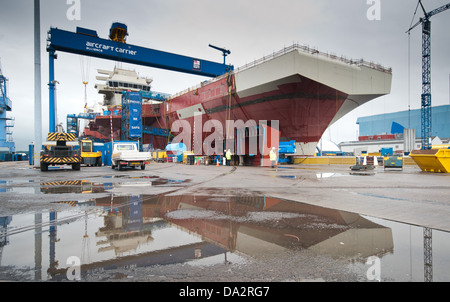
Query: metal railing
[
  {"x": 314, "y": 51},
  {"x": 288, "y": 49}
]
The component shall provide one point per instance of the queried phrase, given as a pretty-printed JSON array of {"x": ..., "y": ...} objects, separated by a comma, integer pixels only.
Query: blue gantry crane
[
  {"x": 87, "y": 42},
  {"x": 426, "y": 71},
  {"x": 73, "y": 125},
  {"x": 225, "y": 52},
  {"x": 6, "y": 123}
]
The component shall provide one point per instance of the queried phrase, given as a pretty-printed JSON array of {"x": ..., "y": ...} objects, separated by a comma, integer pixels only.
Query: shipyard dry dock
[{"x": 175, "y": 222}]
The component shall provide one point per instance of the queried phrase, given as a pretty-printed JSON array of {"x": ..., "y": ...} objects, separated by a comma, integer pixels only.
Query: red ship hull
[{"x": 303, "y": 108}]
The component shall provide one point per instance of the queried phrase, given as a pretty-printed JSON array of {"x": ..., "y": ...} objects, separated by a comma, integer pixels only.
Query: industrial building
[
  {"x": 393, "y": 123},
  {"x": 387, "y": 130}
]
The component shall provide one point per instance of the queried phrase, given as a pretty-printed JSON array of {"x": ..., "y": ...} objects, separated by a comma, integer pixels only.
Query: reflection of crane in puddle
[
  {"x": 427, "y": 254},
  {"x": 85, "y": 252},
  {"x": 209, "y": 226},
  {"x": 218, "y": 228},
  {"x": 4, "y": 222}
]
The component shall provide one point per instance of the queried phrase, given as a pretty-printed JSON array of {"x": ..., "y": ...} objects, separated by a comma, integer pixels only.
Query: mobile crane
[{"x": 61, "y": 154}]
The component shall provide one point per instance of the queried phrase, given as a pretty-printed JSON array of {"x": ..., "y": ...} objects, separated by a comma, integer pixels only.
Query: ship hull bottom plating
[{"x": 302, "y": 108}]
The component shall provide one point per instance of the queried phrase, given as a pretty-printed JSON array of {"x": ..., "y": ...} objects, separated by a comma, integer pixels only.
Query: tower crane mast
[
  {"x": 426, "y": 116},
  {"x": 426, "y": 72}
]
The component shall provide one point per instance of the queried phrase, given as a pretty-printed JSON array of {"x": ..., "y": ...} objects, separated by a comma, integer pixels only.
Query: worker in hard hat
[
  {"x": 228, "y": 156},
  {"x": 273, "y": 157}
]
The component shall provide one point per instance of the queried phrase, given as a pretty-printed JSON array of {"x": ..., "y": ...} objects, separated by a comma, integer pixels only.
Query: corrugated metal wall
[{"x": 382, "y": 123}]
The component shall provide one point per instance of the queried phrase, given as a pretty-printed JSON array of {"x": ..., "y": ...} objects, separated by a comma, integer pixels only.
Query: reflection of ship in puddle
[
  {"x": 131, "y": 223},
  {"x": 146, "y": 230},
  {"x": 143, "y": 230},
  {"x": 251, "y": 225},
  {"x": 258, "y": 225}
]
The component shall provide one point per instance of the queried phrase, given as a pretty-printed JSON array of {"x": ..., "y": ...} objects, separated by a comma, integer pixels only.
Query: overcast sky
[{"x": 249, "y": 28}]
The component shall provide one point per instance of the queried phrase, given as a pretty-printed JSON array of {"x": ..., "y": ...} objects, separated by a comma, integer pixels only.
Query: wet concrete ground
[{"x": 173, "y": 222}]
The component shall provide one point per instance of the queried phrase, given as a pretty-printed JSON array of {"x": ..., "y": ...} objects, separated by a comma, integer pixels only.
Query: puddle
[
  {"x": 362, "y": 173},
  {"x": 84, "y": 186},
  {"x": 327, "y": 174},
  {"x": 74, "y": 186},
  {"x": 143, "y": 231},
  {"x": 153, "y": 180},
  {"x": 319, "y": 176}
]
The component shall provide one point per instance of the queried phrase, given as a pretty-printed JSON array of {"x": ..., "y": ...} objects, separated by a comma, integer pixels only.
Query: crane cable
[
  {"x": 85, "y": 67},
  {"x": 85, "y": 250},
  {"x": 230, "y": 84}
]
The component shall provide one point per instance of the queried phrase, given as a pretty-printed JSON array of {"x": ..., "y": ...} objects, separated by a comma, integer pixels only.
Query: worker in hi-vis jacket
[
  {"x": 273, "y": 157},
  {"x": 228, "y": 156}
]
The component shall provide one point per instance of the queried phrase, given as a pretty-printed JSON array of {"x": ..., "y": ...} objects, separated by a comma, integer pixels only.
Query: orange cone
[{"x": 217, "y": 163}]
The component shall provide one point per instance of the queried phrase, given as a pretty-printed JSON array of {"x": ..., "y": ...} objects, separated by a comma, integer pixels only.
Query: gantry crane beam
[
  {"x": 86, "y": 42},
  {"x": 91, "y": 45}
]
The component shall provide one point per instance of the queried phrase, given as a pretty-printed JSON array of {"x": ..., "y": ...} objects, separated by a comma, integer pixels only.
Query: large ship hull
[
  {"x": 303, "y": 108},
  {"x": 304, "y": 90}
]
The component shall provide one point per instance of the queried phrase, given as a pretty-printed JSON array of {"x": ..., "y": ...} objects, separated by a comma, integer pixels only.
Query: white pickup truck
[{"x": 126, "y": 154}]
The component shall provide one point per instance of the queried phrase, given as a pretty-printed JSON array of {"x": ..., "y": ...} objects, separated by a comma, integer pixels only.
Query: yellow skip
[{"x": 433, "y": 160}]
